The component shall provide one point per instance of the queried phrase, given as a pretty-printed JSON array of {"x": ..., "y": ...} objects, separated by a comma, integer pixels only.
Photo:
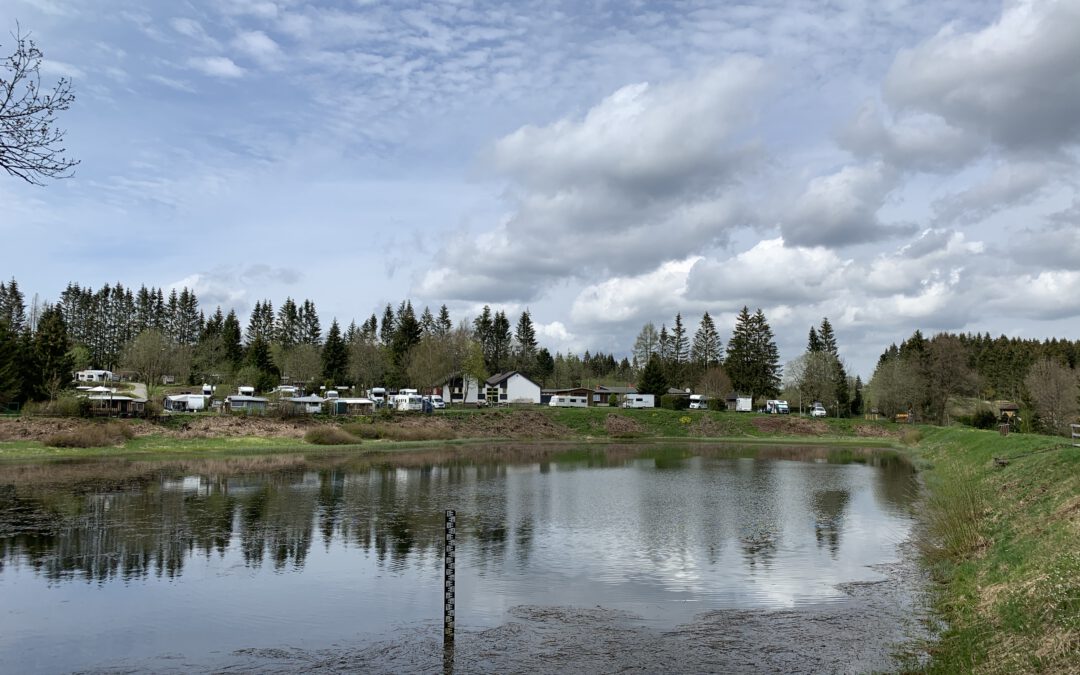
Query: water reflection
[{"x": 642, "y": 528}]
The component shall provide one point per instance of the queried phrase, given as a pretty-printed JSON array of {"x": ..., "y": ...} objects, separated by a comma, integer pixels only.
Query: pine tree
[
  {"x": 707, "y": 351},
  {"x": 387, "y": 328},
  {"x": 766, "y": 366},
  {"x": 230, "y": 338},
  {"x": 679, "y": 353},
  {"x": 828, "y": 339},
  {"x": 335, "y": 355},
  {"x": 427, "y": 322},
  {"x": 739, "y": 363},
  {"x": 443, "y": 324},
  {"x": 51, "y": 354},
  {"x": 310, "y": 330},
  {"x": 11, "y": 383},
  {"x": 652, "y": 379},
  {"x": 287, "y": 324},
  {"x": 813, "y": 343},
  {"x": 525, "y": 335}
]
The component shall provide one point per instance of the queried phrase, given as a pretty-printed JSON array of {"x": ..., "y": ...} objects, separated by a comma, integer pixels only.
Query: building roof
[
  {"x": 564, "y": 390},
  {"x": 237, "y": 398},
  {"x": 601, "y": 389},
  {"x": 312, "y": 398},
  {"x": 503, "y": 377}
]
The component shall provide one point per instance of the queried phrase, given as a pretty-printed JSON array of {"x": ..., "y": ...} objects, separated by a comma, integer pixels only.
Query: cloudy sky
[{"x": 891, "y": 164}]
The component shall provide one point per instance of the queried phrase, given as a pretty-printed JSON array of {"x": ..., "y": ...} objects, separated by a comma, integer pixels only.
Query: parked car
[
  {"x": 437, "y": 402},
  {"x": 818, "y": 411}
]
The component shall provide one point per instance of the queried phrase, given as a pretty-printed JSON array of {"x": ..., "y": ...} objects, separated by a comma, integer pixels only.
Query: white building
[
  {"x": 460, "y": 389},
  {"x": 512, "y": 387}
]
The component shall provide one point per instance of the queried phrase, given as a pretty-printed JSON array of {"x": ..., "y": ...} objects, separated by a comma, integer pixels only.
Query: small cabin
[{"x": 248, "y": 404}]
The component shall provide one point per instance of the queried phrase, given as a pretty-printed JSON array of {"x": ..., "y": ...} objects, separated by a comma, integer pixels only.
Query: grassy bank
[
  {"x": 1002, "y": 538},
  {"x": 211, "y": 434}
]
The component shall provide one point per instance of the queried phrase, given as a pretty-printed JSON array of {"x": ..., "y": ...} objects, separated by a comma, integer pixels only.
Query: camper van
[
  {"x": 639, "y": 401},
  {"x": 408, "y": 400},
  {"x": 777, "y": 407},
  {"x": 560, "y": 401},
  {"x": 699, "y": 402},
  {"x": 378, "y": 396},
  {"x": 246, "y": 391}
]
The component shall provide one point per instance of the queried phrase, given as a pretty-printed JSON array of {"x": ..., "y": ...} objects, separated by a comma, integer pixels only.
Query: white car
[
  {"x": 818, "y": 411},
  {"x": 437, "y": 402}
]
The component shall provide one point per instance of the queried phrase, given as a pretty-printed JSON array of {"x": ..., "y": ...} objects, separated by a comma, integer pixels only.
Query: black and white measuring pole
[{"x": 448, "y": 576}]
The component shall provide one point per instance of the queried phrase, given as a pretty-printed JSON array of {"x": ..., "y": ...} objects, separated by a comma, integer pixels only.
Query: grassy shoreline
[
  {"x": 999, "y": 528},
  {"x": 1000, "y": 533}
]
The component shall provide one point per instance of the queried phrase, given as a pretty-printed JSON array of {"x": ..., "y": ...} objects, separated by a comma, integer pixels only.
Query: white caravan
[
  {"x": 569, "y": 402},
  {"x": 639, "y": 401},
  {"x": 408, "y": 400},
  {"x": 699, "y": 402}
]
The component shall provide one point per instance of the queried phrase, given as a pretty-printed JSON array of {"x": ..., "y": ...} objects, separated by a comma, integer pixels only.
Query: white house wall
[
  {"x": 470, "y": 391},
  {"x": 519, "y": 390}
]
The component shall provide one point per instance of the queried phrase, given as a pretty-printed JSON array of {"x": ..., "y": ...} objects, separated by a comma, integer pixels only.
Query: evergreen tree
[
  {"x": 766, "y": 377},
  {"x": 679, "y": 353},
  {"x": 310, "y": 330},
  {"x": 707, "y": 351},
  {"x": 545, "y": 365},
  {"x": 387, "y": 328},
  {"x": 813, "y": 343},
  {"x": 856, "y": 399},
  {"x": 501, "y": 340},
  {"x": 51, "y": 354},
  {"x": 287, "y": 331},
  {"x": 739, "y": 363},
  {"x": 427, "y": 322},
  {"x": 230, "y": 338},
  {"x": 652, "y": 379},
  {"x": 407, "y": 335},
  {"x": 828, "y": 339},
  {"x": 12, "y": 306},
  {"x": 11, "y": 381},
  {"x": 335, "y": 355},
  {"x": 443, "y": 324},
  {"x": 525, "y": 335}
]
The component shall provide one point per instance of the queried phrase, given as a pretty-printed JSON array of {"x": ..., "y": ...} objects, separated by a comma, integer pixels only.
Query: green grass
[{"x": 1003, "y": 543}]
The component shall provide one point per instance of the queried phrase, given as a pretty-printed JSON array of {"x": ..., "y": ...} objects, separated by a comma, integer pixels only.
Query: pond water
[{"x": 334, "y": 563}]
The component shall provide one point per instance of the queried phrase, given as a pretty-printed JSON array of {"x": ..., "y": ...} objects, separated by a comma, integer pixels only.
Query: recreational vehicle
[
  {"x": 378, "y": 395},
  {"x": 560, "y": 401},
  {"x": 408, "y": 400},
  {"x": 699, "y": 402},
  {"x": 639, "y": 401},
  {"x": 777, "y": 407}
]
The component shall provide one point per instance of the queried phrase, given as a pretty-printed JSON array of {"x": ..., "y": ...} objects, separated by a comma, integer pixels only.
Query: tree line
[{"x": 921, "y": 376}]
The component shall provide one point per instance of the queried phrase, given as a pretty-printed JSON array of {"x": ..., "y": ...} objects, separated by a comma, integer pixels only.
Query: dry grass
[
  {"x": 328, "y": 435},
  {"x": 91, "y": 436}
]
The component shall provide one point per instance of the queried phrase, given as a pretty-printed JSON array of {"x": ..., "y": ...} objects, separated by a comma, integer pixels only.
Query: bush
[
  {"x": 911, "y": 436},
  {"x": 362, "y": 430},
  {"x": 327, "y": 435},
  {"x": 91, "y": 436},
  {"x": 674, "y": 402},
  {"x": 65, "y": 406},
  {"x": 984, "y": 418}
]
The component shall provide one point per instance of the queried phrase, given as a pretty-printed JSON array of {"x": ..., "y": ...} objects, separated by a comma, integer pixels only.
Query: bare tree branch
[{"x": 31, "y": 146}]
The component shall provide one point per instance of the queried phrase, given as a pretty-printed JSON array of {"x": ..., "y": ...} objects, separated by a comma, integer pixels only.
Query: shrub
[
  {"x": 327, "y": 435},
  {"x": 362, "y": 430},
  {"x": 984, "y": 418},
  {"x": 674, "y": 402},
  {"x": 65, "y": 406},
  {"x": 911, "y": 436},
  {"x": 91, "y": 436}
]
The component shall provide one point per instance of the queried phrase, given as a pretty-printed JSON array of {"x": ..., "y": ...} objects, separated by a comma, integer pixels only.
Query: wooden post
[
  {"x": 1075, "y": 434},
  {"x": 449, "y": 554}
]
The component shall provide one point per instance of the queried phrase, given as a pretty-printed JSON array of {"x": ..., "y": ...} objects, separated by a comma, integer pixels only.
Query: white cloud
[
  {"x": 1015, "y": 81},
  {"x": 840, "y": 209},
  {"x": 194, "y": 30},
  {"x": 1007, "y": 185},
  {"x": 648, "y": 174},
  {"x": 626, "y": 299},
  {"x": 217, "y": 66},
  {"x": 259, "y": 46},
  {"x": 172, "y": 83}
]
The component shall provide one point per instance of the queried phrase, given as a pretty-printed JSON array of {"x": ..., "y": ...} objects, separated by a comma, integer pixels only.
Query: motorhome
[
  {"x": 777, "y": 407},
  {"x": 744, "y": 404},
  {"x": 378, "y": 395},
  {"x": 699, "y": 402},
  {"x": 186, "y": 402},
  {"x": 245, "y": 391},
  {"x": 408, "y": 400},
  {"x": 560, "y": 401},
  {"x": 639, "y": 401}
]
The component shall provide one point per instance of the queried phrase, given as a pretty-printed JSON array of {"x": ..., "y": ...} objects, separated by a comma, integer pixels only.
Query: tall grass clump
[
  {"x": 953, "y": 510},
  {"x": 327, "y": 435},
  {"x": 92, "y": 436}
]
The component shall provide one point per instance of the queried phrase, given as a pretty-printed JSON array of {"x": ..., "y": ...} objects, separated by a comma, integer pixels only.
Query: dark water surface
[{"x": 639, "y": 559}]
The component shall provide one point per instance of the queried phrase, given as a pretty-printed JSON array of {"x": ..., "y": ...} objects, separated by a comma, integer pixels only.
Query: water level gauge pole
[{"x": 448, "y": 576}]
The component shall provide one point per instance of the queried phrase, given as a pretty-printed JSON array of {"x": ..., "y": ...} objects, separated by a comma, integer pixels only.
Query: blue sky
[{"x": 891, "y": 165}]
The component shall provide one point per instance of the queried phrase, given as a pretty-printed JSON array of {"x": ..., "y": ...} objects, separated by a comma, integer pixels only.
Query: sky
[{"x": 892, "y": 165}]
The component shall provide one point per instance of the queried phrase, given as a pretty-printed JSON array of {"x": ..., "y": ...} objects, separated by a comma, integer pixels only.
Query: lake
[{"x": 592, "y": 558}]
